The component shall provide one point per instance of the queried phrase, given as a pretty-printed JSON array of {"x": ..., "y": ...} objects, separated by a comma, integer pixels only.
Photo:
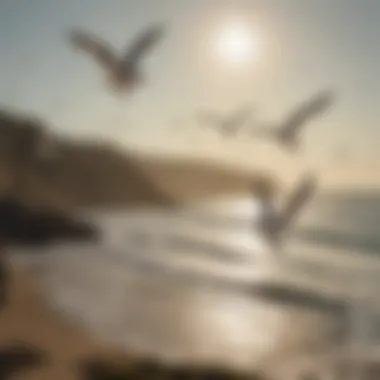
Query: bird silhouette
[
  {"x": 275, "y": 223},
  {"x": 287, "y": 133},
  {"x": 229, "y": 124},
  {"x": 123, "y": 70}
]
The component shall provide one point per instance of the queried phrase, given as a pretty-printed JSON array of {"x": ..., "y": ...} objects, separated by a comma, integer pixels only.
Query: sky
[{"x": 303, "y": 46}]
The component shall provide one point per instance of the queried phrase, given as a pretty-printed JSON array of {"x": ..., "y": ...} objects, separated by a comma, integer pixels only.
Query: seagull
[
  {"x": 287, "y": 132},
  {"x": 123, "y": 71},
  {"x": 275, "y": 223},
  {"x": 229, "y": 124}
]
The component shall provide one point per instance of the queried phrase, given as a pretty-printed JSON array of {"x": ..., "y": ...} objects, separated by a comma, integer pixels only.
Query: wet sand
[
  {"x": 28, "y": 319},
  {"x": 184, "y": 326},
  {"x": 103, "y": 293}
]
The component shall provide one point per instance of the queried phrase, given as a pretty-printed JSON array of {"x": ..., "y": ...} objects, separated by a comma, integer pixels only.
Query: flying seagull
[
  {"x": 275, "y": 223},
  {"x": 123, "y": 70},
  {"x": 287, "y": 133},
  {"x": 230, "y": 124}
]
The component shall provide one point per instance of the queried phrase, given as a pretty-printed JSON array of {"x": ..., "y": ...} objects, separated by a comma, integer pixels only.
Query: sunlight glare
[{"x": 237, "y": 44}]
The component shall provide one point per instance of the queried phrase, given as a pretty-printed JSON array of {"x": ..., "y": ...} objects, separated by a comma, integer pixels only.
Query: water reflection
[
  {"x": 184, "y": 305},
  {"x": 178, "y": 321}
]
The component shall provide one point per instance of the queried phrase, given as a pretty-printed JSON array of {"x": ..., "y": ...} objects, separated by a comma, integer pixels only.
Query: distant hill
[{"x": 45, "y": 170}]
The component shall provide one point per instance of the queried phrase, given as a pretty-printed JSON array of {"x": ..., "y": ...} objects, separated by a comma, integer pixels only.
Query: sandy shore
[{"x": 28, "y": 319}]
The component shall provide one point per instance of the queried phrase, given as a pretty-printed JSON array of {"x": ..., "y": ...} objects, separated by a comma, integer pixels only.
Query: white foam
[{"x": 141, "y": 296}]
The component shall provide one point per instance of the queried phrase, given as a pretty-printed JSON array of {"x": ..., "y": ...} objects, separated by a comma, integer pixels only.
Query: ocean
[
  {"x": 212, "y": 290},
  {"x": 350, "y": 221}
]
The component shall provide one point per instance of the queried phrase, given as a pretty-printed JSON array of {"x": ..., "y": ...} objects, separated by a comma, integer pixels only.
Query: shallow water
[{"x": 220, "y": 296}]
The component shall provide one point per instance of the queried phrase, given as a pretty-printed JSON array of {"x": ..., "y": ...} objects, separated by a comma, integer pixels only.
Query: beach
[{"x": 183, "y": 306}]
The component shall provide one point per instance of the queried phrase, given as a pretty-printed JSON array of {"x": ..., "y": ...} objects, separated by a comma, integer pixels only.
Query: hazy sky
[{"x": 304, "y": 46}]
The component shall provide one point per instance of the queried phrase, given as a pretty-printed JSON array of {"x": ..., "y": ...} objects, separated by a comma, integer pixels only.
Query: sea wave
[
  {"x": 206, "y": 297},
  {"x": 354, "y": 241}
]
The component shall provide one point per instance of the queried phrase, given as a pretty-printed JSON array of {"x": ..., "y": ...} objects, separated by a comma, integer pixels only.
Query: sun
[{"x": 237, "y": 44}]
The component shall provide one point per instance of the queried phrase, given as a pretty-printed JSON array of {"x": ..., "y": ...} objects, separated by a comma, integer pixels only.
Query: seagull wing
[
  {"x": 306, "y": 112},
  {"x": 143, "y": 42},
  {"x": 237, "y": 120},
  {"x": 98, "y": 49},
  {"x": 296, "y": 201}
]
